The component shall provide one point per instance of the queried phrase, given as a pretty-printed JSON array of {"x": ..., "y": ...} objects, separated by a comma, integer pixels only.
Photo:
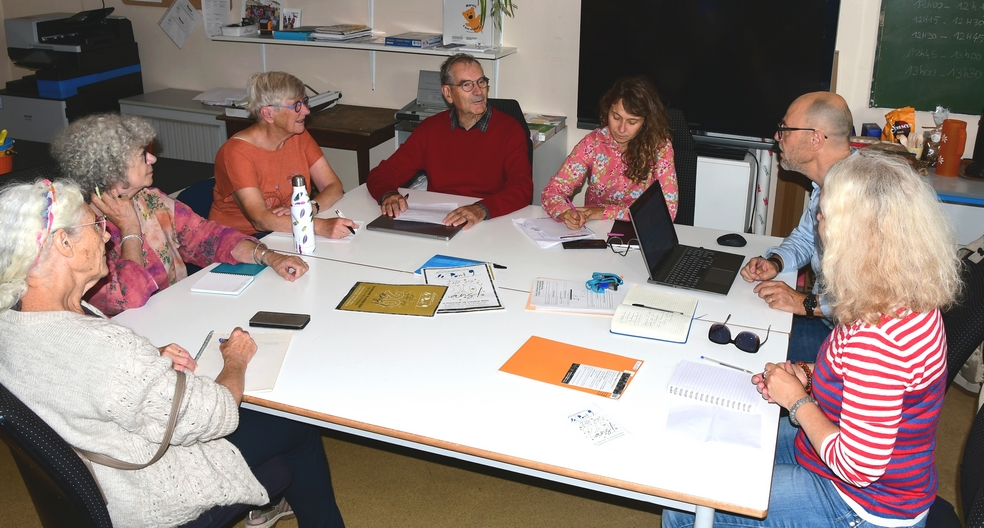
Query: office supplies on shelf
[
  {"x": 715, "y": 385},
  {"x": 222, "y": 283},
  {"x": 396, "y": 299},
  {"x": 574, "y": 367},
  {"x": 547, "y": 232},
  {"x": 671, "y": 263},
  {"x": 298, "y": 33},
  {"x": 414, "y": 39},
  {"x": 263, "y": 369},
  {"x": 655, "y": 314},
  {"x": 470, "y": 288},
  {"x": 558, "y": 295},
  {"x": 542, "y": 126},
  {"x": 343, "y": 29}
]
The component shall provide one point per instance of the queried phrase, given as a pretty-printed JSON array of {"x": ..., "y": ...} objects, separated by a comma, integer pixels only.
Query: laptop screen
[{"x": 653, "y": 226}]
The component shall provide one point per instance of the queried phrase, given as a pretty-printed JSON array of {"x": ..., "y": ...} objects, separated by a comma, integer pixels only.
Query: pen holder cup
[{"x": 6, "y": 162}]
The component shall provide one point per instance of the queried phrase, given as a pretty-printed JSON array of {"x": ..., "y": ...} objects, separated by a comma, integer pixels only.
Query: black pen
[
  {"x": 340, "y": 215},
  {"x": 658, "y": 309},
  {"x": 498, "y": 266}
]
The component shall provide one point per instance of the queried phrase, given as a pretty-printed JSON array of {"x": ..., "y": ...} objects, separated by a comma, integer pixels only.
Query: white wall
[{"x": 542, "y": 75}]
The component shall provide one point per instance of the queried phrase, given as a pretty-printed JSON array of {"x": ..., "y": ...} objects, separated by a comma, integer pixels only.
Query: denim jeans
[
  {"x": 800, "y": 498},
  {"x": 806, "y": 337}
]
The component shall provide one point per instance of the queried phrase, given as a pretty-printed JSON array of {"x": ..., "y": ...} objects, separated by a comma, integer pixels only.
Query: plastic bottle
[{"x": 302, "y": 217}]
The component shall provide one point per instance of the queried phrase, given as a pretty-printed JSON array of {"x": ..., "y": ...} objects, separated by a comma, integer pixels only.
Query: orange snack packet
[{"x": 899, "y": 122}]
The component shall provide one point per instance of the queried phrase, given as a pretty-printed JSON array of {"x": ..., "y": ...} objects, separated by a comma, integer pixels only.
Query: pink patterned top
[
  {"x": 172, "y": 235},
  {"x": 598, "y": 157}
]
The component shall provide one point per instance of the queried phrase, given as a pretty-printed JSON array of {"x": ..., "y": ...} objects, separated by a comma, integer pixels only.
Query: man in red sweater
[{"x": 470, "y": 149}]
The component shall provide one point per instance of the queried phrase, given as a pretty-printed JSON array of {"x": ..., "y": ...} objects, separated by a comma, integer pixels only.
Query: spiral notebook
[
  {"x": 227, "y": 279},
  {"x": 721, "y": 386}
]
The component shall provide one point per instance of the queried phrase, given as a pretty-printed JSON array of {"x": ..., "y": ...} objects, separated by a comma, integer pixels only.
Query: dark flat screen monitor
[{"x": 732, "y": 67}]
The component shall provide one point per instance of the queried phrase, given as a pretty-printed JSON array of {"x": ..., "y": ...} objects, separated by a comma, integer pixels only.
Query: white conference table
[
  {"x": 500, "y": 241},
  {"x": 433, "y": 384}
]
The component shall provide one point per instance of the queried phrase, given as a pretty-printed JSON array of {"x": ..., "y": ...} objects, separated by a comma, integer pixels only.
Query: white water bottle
[{"x": 302, "y": 217}]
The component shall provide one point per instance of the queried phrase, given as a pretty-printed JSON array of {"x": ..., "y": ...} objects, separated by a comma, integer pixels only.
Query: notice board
[{"x": 930, "y": 52}]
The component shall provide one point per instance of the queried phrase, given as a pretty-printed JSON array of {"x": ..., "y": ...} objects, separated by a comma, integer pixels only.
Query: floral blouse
[
  {"x": 598, "y": 158},
  {"x": 172, "y": 235}
]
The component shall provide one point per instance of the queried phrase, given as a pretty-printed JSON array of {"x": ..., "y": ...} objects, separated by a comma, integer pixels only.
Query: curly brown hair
[{"x": 639, "y": 98}]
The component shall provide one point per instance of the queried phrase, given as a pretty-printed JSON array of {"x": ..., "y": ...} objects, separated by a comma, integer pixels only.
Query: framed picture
[
  {"x": 265, "y": 13},
  {"x": 290, "y": 18}
]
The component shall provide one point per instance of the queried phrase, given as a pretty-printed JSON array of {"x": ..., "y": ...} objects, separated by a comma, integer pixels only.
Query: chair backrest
[
  {"x": 964, "y": 321},
  {"x": 511, "y": 107},
  {"x": 61, "y": 487},
  {"x": 972, "y": 474},
  {"x": 685, "y": 159},
  {"x": 198, "y": 196}
]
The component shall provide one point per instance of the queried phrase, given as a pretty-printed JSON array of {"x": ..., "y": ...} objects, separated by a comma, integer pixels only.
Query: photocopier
[{"x": 84, "y": 63}]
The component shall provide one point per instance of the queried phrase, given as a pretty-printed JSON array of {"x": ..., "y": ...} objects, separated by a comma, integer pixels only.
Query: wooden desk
[
  {"x": 433, "y": 384},
  {"x": 344, "y": 127}
]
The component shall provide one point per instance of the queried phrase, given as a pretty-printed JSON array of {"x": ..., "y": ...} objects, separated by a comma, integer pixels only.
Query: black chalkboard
[{"x": 930, "y": 52}]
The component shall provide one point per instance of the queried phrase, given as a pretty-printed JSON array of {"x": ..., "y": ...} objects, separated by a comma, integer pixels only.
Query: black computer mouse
[{"x": 732, "y": 239}]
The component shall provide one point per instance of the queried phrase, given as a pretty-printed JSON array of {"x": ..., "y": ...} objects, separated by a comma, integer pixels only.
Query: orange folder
[{"x": 552, "y": 362}]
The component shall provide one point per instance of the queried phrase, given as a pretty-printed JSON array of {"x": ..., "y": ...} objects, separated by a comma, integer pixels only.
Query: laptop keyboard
[{"x": 688, "y": 270}]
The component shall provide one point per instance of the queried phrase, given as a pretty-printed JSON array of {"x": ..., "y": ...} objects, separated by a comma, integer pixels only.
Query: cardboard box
[{"x": 462, "y": 25}]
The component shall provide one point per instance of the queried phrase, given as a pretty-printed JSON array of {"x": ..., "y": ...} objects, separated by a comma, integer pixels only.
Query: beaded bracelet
[
  {"x": 809, "y": 375},
  {"x": 131, "y": 235},
  {"x": 259, "y": 262},
  {"x": 796, "y": 406}
]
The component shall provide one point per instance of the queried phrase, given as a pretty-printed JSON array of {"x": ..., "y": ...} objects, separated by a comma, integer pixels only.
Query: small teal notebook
[
  {"x": 238, "y": 269},
  {"x": 445, "y": 261}
]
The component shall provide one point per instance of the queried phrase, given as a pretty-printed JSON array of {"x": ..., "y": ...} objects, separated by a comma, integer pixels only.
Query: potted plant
[{"x": 498, "y": 8}]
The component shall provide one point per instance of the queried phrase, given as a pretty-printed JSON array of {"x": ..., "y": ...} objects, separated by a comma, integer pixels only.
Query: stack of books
[
  {"x": 414, "y": 39},
  {"x": 543, "y": 127},
  {"x": 339, "y": 32}
]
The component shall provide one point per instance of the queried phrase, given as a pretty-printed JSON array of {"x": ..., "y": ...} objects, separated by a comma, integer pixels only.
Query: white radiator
[{"x": 182, "y": 134}]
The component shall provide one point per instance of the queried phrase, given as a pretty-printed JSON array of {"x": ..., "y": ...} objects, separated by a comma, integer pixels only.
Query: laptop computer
[
  {"x": 405, "y": 227},
  {"x": 671, "y": 263},
  {"x": 429, "y": 101}
]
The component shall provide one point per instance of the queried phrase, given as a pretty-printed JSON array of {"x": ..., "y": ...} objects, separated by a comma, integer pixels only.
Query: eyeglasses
[
  {"x": 780, "y": 128},
  {"x": 101, "y": 222},
  {"x": 745, "y": 341},
  {"x": 623, "y": 246},
  {"x": 296, "y": 106},
  {"x": 143, "y": 154},
  {"x": 468, "y": 86}
]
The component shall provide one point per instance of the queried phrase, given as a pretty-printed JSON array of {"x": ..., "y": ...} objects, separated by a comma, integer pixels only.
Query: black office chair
[
  {"x": 63, "y": 491},
  {"x": 198, "y": 196},
  {"x": 511, "y": 107},
  {"x": 685, "y": 159}
]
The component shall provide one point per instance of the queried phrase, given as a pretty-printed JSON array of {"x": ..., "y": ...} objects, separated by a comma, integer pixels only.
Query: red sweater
[{"x": 493, "y": 165}]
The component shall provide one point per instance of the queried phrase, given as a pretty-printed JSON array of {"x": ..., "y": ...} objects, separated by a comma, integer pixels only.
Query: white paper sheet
[
  {"x": 470, "y": 288},
  {"x": 557, "y": 295},
  {"x": 263, "y": 369},
  {"x": 429, "y": 213},
  {"x": 216, "y": 14},
  {"x": 179, "y": 21},
  {"x": 547, "y": 232}
]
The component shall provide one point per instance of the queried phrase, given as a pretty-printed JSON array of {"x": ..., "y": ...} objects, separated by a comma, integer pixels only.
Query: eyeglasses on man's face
[
  {"x": 781, "y": 127},
  {"x": 468, "y": 86},
  {"x": 745, "y": 341},
  {"x": 296, "y": 106}
]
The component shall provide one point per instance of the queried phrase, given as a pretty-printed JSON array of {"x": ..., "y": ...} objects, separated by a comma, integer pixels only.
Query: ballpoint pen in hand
[{"x": 340, "y": 215}]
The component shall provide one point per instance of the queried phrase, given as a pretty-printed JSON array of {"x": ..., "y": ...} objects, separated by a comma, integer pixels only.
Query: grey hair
[
  {"x": 271, "y": 89},
  {"x": 97, "y": 150},
  {"x": 458, "y": 58},
  {"x": 21, "y": 222}
]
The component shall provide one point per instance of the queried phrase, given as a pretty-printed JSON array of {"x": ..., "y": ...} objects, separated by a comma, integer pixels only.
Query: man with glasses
[
  {"x": 470, "y": 150},
  {"x": 813, "y": 135}
]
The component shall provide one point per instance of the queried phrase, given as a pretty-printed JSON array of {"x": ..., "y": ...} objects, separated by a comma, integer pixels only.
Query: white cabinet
[{"x": 724, "y": 193}]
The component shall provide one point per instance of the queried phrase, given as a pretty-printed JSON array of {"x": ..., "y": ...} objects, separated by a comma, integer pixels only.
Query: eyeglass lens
[
  {"x": 468, "y": 86},
  {"x": 304, "y": 101},
  {"x": 745, "y": 341}
]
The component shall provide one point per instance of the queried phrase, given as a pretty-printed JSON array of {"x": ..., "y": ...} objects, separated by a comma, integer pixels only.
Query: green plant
[{"x": 499, "y": 8}]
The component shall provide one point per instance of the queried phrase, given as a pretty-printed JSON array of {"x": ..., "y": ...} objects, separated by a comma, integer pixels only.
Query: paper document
[
  {"x": 547, "y": 232},
  {"x": 222, "y": 283},
  {"x": 216, "y": 14},
  {"x": 179, "y": 21},
  {"x": 320, "y": 239},
  {"x": 470, "y": 288},
  {"x": 558, "y": 295},
  {"x": 397, "y": 299},
  {"x": 263, "y": 369},
  {"x": 428, "y": 213},
  {"x": 220, "y": 96}
]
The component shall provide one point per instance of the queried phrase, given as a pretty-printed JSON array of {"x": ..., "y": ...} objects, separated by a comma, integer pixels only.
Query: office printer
[{"x": 84, "y": 63}]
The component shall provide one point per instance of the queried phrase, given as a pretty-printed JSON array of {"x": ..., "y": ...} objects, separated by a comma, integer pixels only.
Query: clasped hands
[
  {"x": 781, "y": 383},
  {"x": 395, "y": 203}
]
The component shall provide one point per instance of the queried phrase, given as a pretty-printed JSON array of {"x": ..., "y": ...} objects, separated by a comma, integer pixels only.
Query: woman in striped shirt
[{"x": 867, "y": 411}]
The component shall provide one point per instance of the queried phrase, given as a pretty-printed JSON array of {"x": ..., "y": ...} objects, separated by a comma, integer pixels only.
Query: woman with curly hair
[
  {"x": 151, "y": 235},
  {"x": 857, "y": 446},
  {"x": 620, "y": 160}
]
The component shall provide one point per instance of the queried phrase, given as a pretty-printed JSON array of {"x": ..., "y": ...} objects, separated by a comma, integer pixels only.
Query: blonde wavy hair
[
  {"x": 888, "y": 245},
  {"x": 271, "y": 89},
  {"x": 21, "y": 221},
  {"x": 97, "y": 150}
]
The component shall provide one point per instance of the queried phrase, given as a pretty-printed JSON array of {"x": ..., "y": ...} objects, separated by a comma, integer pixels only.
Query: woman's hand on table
[
  {"x": 334, "y": 227},
  {"x": 180, "y": 358},
  {"x": 239, "y": 349},
  {"x": 575, "y": 219},
  {"x": 289, "y": 267}
]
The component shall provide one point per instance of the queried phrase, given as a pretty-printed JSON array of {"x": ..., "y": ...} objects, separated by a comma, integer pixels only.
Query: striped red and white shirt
[{"x": 883, "y": 386}]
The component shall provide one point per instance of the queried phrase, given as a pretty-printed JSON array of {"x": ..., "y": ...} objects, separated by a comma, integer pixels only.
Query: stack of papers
[
  {"x": 557, "y": 295},
  {"x": 547, "y": 232},
  {"x": 341, "y": 32},
  {"x": 427, "y": 213},
  {"x": 221, "y": 96},
  {"x": 470, "y": 288}
]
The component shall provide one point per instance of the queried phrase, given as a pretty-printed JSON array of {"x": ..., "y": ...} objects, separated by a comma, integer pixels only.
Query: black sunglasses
[{"x": 745, "y": 341}]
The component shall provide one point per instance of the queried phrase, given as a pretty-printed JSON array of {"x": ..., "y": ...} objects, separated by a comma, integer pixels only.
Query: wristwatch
[{"x": 810, "y": 303}]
